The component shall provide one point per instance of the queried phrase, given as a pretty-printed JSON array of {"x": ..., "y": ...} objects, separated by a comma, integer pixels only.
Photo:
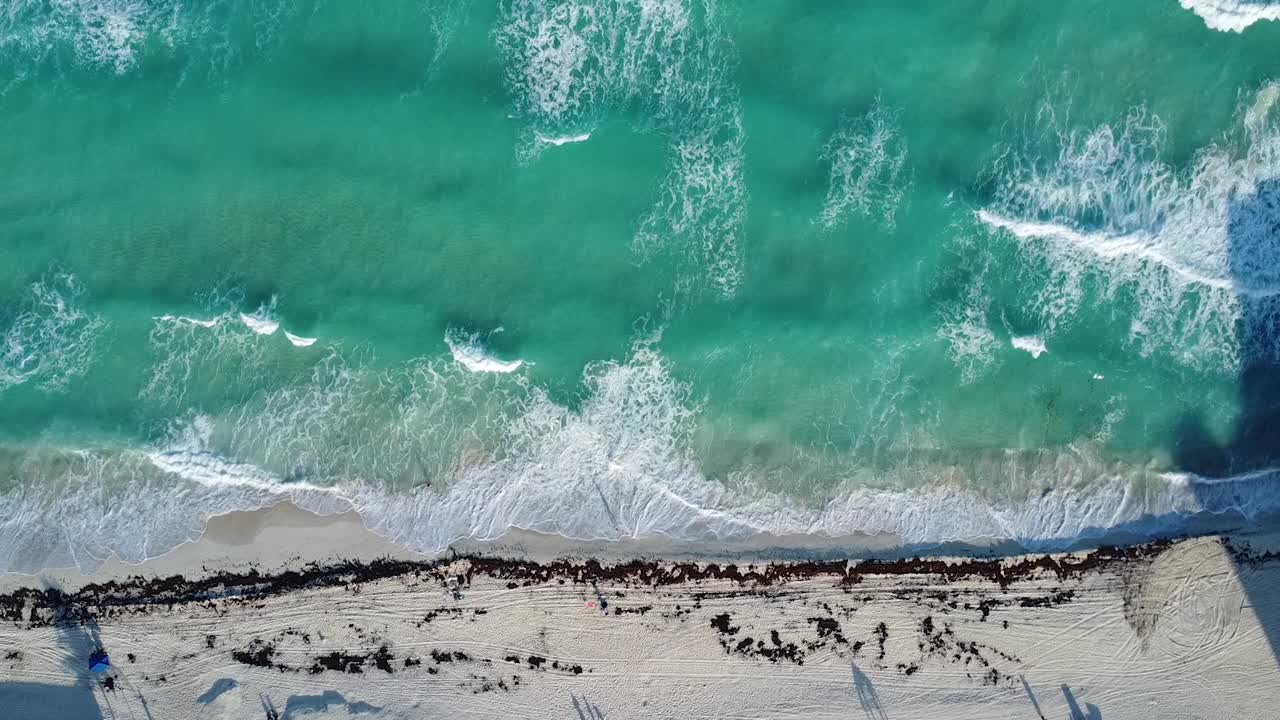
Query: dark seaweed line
[{"x": 46, "y": 606}]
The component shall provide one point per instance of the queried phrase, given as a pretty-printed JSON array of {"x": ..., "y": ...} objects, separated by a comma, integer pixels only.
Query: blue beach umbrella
[{"x": 98, "y": 661}]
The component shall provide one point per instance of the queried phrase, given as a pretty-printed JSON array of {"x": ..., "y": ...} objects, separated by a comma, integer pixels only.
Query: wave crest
[{"x": 469, "y": 352}]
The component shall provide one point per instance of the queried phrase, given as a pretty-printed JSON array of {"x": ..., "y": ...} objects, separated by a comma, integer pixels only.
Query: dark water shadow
[
  {"x": 1253, "y": 259},
  {"x": 1090, "y": 711},
  {"x": 867, "y": 696}
]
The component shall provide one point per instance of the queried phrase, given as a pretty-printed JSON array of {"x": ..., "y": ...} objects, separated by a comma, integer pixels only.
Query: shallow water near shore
[{"x": 679, "y": 270}]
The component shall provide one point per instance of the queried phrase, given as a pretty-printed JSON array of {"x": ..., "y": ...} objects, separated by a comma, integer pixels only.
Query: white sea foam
[
  {"x": 568, "y": 63},
  {"x": 113, "y": 35},
  {"x": 563, "y": 139},
  {"x": 51, "y": 340},
  {"x": 1233, "y": 15},
  {"x": 213, "y": 322},
  {"x": 469, "y": 352},
  {"x": 189, "y": 351},
  {"x": 430, "y": 452},
  {"x": 550, "y": 45},
  {"x": 133, "y": 504},
  {"x": 109, "y": 31},
  {"x": 1114, "y": 416},
  {"x": 298, "y": 340},
  {"x": 102, "y": 33},
  {"x": 1031, "y": 344},
  {"x": 699, "y": 215},
  {"x": 867, "y": 161},
  {"x": 445, "y": 17},
  {"x": 971, "y": 344},
  {"x": 260, "y": 322},
  {"x": 1098, "y": 214},
  {"x": 1141, "y": 246},
  {"x": 571, "y": 64}
]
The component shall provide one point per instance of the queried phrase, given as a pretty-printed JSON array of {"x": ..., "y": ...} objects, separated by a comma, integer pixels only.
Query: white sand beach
[{"x": 1182, "y": 630}]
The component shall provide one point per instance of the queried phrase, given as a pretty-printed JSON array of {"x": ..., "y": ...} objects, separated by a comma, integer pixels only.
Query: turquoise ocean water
[{"x": 612, "y": 268}]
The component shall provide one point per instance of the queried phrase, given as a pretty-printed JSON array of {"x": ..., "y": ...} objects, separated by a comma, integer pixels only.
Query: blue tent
[{"x": 99, "y": 661}]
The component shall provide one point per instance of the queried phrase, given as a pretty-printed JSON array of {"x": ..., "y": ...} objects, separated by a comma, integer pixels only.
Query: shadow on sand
[
  {"x": 46, "y": 701},
  {"x": 1254, "y": 446},
  {"x": 584, "y": 709},
  {"x": 1090, "y": 712},
  {"x": 867, "y": 696},
  {"x": 297, "y": 706},
  {"x": 89, "y": 696}
]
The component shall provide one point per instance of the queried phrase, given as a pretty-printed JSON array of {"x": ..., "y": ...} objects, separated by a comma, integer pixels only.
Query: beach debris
[{"x": 98, "y": 661}]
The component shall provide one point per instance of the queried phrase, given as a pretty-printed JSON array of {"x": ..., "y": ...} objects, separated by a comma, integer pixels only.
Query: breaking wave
[
  {"x": 1102, "y": 221},
  {"x": 1233, "y": 15},
  {"x": 469, "y": 352},
  {"x": 430, "y": 452},
  {"x": 260, "y": 322},
  {"x": 227, "y": 344},
  {"x": 51, "y": 339},
  {"x": 298, "y": 340},
  {"x": 1031, "y": 345},
  {"x": 563, "y": 139}
]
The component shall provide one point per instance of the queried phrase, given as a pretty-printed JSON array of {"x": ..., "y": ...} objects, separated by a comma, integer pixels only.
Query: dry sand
[{"x": 1182, "y": 630}]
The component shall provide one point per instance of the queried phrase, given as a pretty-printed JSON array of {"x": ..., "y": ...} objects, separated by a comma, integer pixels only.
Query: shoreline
[
  {"x": 945, "y": 519},
  {"x": 282, "y": 533}
]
